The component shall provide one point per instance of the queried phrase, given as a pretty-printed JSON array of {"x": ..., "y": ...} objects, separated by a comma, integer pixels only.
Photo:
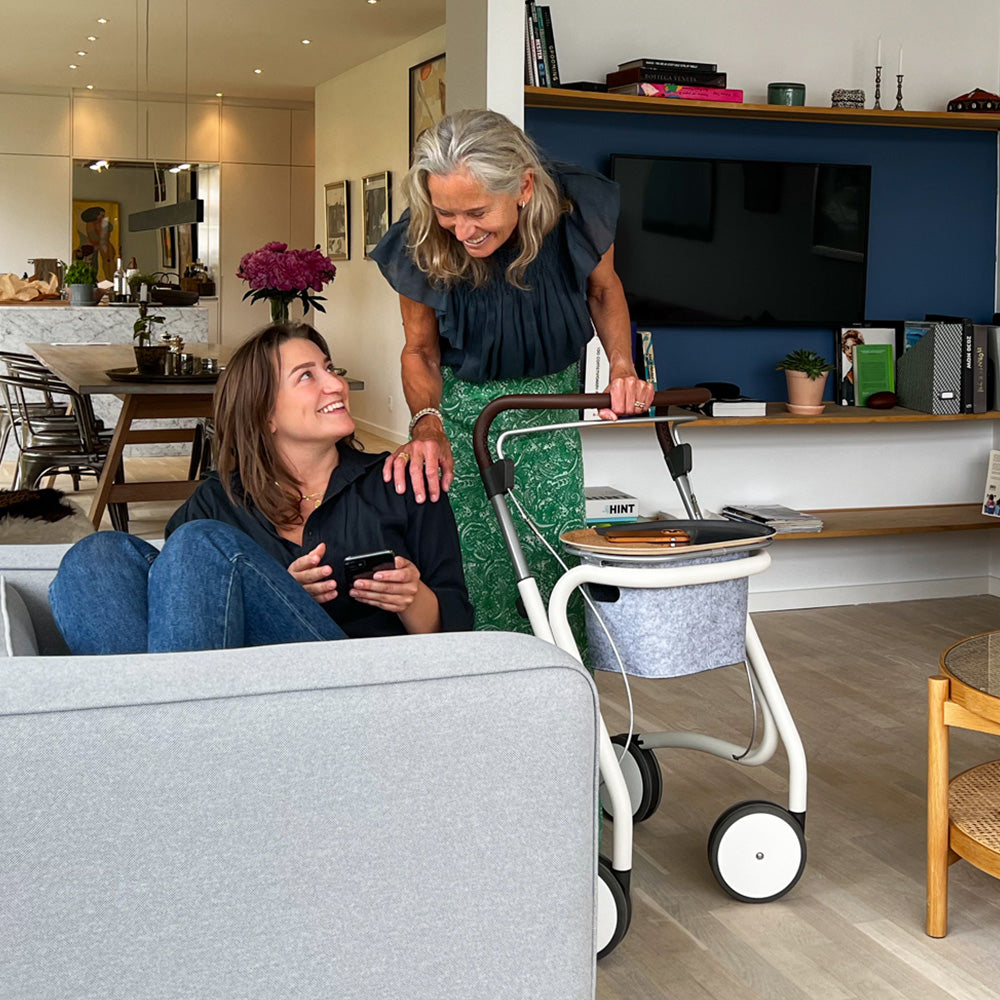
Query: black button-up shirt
[{"x": 359, "y": 513}]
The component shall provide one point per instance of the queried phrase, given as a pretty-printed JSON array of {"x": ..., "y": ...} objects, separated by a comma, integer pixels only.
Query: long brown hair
[
  {"x": 244, "y": 402},
  {"x": 496, "y": 153}
]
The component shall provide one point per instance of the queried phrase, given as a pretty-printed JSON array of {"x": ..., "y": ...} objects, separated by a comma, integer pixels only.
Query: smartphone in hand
[{"x": 365, "y": 565}]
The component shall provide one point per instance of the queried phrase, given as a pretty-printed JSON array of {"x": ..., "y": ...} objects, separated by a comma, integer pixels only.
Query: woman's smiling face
[
  {"x": 480, "y": 221},
  {"x": 311, "y": 404}
]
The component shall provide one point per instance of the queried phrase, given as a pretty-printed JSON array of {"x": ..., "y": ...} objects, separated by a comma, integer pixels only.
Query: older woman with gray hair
[{"x": 504, "y": 265}]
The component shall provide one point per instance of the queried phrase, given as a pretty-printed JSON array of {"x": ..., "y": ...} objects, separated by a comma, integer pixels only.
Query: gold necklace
[{"x": 317, "y": 497}]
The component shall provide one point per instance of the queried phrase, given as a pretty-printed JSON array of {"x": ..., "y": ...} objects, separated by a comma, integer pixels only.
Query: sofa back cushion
[{"x": 15, "y": 622}]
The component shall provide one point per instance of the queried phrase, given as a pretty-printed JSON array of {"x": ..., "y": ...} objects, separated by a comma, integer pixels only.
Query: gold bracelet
[{"x": 427, "y": 411}]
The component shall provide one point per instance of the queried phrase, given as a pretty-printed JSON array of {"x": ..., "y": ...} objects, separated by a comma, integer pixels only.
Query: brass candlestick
[
  {"x": 899, "y": 93},
  {"x": 877, "y": 106}
]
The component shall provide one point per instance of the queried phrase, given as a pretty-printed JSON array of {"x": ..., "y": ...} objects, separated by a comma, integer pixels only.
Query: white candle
[
  {"x": 900, "y": 70},
  {"x": 878, "y": 52},
  {"x": 143, "y": 292}
]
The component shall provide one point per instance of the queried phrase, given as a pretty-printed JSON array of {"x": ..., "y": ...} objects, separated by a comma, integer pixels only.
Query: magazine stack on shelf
[
  {"x": 782, "y": 519},
  {"x": 672, "y": 78},
  {"x": 541, "y": 68}
]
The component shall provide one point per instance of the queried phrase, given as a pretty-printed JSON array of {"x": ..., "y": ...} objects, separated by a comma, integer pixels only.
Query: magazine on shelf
[
  {"x": 991, "y": 495},
  {"x": 777, "y": 516}
]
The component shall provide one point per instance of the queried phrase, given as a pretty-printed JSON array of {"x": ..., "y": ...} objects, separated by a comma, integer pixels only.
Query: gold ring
[
  {"x": 404, "y": 455},
  {"x": 638, "y": 405}
]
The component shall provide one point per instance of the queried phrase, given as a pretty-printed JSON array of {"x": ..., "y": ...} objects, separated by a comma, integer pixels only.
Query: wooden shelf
[
  {"x": 860, "y": 522},
  {"x": 777, "y": 416},
  {"x": 578, "y": 100}
]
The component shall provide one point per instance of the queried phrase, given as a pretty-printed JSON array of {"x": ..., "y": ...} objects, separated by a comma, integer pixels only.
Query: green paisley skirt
[{"x": 548, "y": 482}]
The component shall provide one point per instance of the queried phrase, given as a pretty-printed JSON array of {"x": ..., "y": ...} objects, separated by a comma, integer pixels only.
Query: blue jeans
[{"x": 211, "y": 587}]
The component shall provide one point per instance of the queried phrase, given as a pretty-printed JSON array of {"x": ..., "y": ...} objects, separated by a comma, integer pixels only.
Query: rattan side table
[{"x": 961, "y": 813}]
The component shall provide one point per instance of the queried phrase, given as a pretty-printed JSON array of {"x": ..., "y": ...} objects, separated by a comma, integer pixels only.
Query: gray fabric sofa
[{"x": 384, "y": 818}]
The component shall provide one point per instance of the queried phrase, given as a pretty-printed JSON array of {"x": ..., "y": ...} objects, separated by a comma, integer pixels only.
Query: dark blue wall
[{"x": 932, "y": 231}]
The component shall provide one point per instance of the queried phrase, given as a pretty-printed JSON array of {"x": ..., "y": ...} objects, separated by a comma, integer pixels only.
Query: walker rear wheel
[
  {"x": 757, "y": 851},
  {"x": 614, "y": 909},
  {"x": 641, "y": 771}
]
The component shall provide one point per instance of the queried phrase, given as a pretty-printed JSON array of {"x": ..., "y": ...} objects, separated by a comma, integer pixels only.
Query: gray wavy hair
[{"x": 496, "y": 153}]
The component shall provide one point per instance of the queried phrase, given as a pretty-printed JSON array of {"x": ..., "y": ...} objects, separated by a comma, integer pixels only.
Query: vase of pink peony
[{"x": 281, "y": 276}]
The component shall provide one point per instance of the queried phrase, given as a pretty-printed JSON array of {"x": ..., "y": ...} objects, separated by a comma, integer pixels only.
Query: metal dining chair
[{"x": 75, "y": 446}]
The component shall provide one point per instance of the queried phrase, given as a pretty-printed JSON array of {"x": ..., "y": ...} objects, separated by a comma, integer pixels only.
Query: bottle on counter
[
  {"x": 130, "y": 272},
  {"x": 119, "y": 285}
]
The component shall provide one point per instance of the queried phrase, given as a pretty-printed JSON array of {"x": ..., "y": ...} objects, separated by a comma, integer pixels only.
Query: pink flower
[{"x": 274, "y": 271}]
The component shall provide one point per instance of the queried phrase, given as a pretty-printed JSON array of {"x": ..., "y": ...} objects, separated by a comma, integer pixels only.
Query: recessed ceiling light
[
  {"x": 258, "y": 71},
  {"x": 91, "y": 38},
  {"x": 73, "y": 66},
  {"x": 81, "y": 53},
  {"x": 90, "y": 86},
  {"x": 306, "y": 41},
  {"x": 373, "y": 2},
  {"x": 102, "y": 20}
]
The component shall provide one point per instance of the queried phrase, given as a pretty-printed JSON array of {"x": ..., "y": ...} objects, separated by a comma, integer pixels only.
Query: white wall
[
  {"x": 822, "y": 45},
  {"x": 362, "y": 128}
]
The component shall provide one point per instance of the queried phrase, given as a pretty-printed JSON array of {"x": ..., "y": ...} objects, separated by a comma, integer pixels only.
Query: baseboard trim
[
  {"x": 876, "y": 593},
  {"x": 380, "y": 431}
]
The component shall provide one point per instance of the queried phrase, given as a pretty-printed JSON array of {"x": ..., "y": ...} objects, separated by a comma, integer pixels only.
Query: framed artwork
[
  {"x": 96, "y": 234},
  {"x": 427, "y": 96},
  {"x": 168, "y": 248},
  {"x": 375, "y": 200},
  {"x": 338, "y": 233}
]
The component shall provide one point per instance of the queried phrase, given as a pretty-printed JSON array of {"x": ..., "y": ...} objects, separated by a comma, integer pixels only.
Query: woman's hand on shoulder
[
  {"x": 630, "y": 395},
  {"x": 317, "y": 578},
  {"x": 426, "y": 460},
  {"x": 389, "y": 589}
]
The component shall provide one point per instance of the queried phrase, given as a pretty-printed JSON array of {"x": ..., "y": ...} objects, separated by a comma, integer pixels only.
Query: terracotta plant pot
[
  {"x": 151, "y": 360},
  {"x": 805, "y": 394}
]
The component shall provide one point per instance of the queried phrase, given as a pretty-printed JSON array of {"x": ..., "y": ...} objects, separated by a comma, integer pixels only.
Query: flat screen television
[{"x": 742, "y": 242}]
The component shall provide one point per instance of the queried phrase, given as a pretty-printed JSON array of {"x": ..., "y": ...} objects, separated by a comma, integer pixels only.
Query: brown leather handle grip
[{"x": 564, "y": 401}]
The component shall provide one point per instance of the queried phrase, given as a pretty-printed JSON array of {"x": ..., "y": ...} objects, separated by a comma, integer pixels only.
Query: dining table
[{"x": 85, "y": 368}]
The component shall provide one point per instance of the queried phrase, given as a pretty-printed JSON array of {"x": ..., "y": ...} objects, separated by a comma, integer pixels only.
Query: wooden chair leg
[{"x": 937, "y": 808}]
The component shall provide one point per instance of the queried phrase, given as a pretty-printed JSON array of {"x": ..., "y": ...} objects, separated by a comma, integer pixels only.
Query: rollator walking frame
[{"x": 756, "y": 849}]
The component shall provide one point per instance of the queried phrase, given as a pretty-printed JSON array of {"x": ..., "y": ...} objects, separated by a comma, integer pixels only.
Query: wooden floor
[{"x": 855, "y": 679}]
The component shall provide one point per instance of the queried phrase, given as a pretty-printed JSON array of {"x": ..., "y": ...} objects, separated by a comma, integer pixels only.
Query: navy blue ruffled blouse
[{"x": 497, "y": 330}]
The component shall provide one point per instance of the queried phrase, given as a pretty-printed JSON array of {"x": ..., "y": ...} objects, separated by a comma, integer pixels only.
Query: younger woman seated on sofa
[{"x": 256, "y": 555}]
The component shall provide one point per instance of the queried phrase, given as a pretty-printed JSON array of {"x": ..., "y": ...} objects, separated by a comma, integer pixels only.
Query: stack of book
[
  {"x": 686, "y": 81},
  {"x": 782, "y": 519},
  {"x": 607, "y": 505},
  {"x": 541, "y": 68}
]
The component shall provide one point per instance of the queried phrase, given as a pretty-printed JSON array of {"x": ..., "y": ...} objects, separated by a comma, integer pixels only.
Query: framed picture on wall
[
  {"x": 427, "y": 96},
  {"x": 96, "y": 235},
  {"x": 168, "y": 248},
  {"x": 338, "y": 234},
  {"x": 375, "y": 200}
]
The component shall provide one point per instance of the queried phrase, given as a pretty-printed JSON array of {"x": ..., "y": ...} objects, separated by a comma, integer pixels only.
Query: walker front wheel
[
  {"x": 641, "y": 771},
  {"x": 757, "y": 851},
  {"x": 614, "y": 909}
]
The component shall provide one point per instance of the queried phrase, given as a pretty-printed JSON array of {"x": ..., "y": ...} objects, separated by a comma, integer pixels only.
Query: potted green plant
[
  {"x": 81, "y": 278},
  {"x": 150, "y": 359},
  {"x": 805, "y": 375}
]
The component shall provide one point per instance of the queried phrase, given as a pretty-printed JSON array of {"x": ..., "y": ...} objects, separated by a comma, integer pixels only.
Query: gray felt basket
[{"x": 670, "y": 631}]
